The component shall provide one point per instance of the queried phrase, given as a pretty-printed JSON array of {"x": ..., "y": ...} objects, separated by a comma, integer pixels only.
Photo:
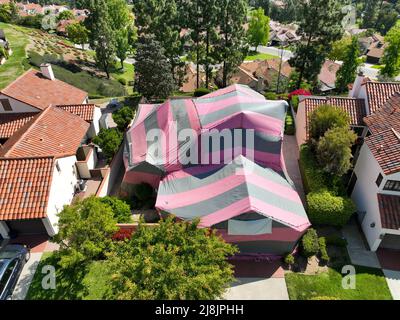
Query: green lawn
[
  {"x": 260, "y": 56},
  {"x": 14, "y": 66},
  {"x": 370, "y": 285},
  {"x": 83, "y": 284}
]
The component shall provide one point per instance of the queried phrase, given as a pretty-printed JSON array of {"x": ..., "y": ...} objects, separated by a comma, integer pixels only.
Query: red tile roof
[
  {"x": 85, "y": 111},
  {"x": 34, "y": 89},
  {"x": 355, "y": 108},
  {"x": 384, "y": 142},
  {"x": 378, "y": 93},
  {"x": 53, "y": 132},
  {"x": 10, "y": 123},
  {"x": 25, "y": 187},
  {"x": 389, "y": 209}
]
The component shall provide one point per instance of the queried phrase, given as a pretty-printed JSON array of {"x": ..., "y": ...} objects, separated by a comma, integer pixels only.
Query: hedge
[
  {"x": 309, "y": 243},
  {"x": 289, "y": 124},
  {"x": 201, "y": 92},
  {"x": 314, "y": 179},
  {"x": 327, "y": 209},
  {"x": 271, "y": 96}
]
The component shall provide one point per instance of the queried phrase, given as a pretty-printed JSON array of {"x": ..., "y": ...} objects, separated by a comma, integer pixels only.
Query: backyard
[{"x": 259, "y": 56}]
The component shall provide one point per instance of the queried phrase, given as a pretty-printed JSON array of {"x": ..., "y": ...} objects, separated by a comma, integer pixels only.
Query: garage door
[
  {"x": 27, "y": 227},
  {"x": 391, "y": 241}
]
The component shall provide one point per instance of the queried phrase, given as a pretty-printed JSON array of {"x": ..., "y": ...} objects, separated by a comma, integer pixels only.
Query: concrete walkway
[
  {"x": 358, "y": 252},
  {"x": 393, "y": 281},
  {"x": 257, "y": 289},
  {"x": 25, "y": 279}
]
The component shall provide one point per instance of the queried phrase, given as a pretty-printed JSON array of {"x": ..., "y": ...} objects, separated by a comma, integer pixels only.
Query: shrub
[
  {"x": 322, "y": 249},
  {"x": 295, "y": 102},
  {"x": 270, "y": 96},
  {"x": 289, "y": 124},
  {"x": 109, "y": 141},
  {"x": 121, "y": 209},
  {"x": 309, "y": 243},
  {"x": 314, "y": 179},
  {"x": 201, "y": 92},
  {"x": 327, "y": 209},
  {"x": 144, "y": 192},
  {"x": 123, "y": 117},
  {"x": 335, "y": 240},
  {"x": 289, "y": 259},
  {"x": 122, "y": 81}
]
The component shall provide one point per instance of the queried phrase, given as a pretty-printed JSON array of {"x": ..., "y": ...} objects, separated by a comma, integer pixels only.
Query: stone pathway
[
  {"x": 359, "y": 254},
  {"x": 257, "y": 289}
]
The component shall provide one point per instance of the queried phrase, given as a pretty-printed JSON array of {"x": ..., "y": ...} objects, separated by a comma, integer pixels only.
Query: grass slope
[
  {"x": 260, "y": 56},
  {"x": 14, "y": 66}
]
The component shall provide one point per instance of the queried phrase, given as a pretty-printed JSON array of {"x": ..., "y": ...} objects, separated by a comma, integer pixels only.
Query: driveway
[
  {"x": 276, "y": 52},
  {"x": 257, "y": 289}
]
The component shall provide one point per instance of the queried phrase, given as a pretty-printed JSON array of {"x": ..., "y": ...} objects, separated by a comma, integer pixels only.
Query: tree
[
  {"x": 173, "y": 260},
  {"x": 152, "y": 70},
  {"x": 121, "y": 210},
  {"x": 123, "y": 117},
  {"x": 264, "y": 4},
  {"x": 334, "y": 150},
  {"x": 101, "y": 35},
  {"x": 258, "y": 32},
  {"x": 85, "y": 230},
  {"x": 109, "y": 140},
  {"x": 78, "y": 33},
  {"x": 370, "y": 13},
  {"x": 65, "y": 15},
  {"x": 320, "y": 25},
  {"x": 231, "y": 48},
  {"x": 347, "y": 71},
  {"x": 391, "y": 58},
  {"x": 5, "y": 13},
  {"x": 387, "y": 18},
  {"x": 324, "y": 118},
  {"x": 339, "y": 47}
]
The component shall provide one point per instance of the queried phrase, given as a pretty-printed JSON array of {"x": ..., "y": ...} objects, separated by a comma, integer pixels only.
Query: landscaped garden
[{"x": 259, "y": 56}]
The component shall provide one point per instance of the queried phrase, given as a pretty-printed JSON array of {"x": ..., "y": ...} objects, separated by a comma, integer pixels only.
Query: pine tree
[{"x": 347, "y": 72}]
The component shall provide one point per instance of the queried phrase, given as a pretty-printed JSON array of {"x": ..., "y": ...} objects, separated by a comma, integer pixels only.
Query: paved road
[{"x": 275, "y": 51}]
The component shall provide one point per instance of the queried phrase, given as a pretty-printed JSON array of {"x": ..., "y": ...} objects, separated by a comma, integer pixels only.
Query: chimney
[
  {"x": 47, "y": 71},
  {"x": 355, "y": 91}
]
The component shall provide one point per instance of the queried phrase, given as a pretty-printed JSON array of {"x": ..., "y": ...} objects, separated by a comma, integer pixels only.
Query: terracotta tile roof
[
  {"x": 388, "y": 116},
  {"x": 34, "y": 89},
  {"x": 380, "y": 92},
  {"x": 385, "y": 146},
  {"x": 355, "y": 108},
  {"x": 53, "y": 132},
  {"x": 389, "y": 209},
  {"x": 10, "y": 123},
  {"x": 328, "y": 73},
  {"x": 24, "y": 187},
  {"x": 85, "y": 111}
]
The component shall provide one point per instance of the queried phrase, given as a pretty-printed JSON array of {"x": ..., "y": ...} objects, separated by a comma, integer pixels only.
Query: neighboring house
[
  {"x": 29, "y": 9},
  {"x": 250, "y": 200},
  {"x": 376, "y": 50},
  {"x": 62, "y": 25},
  {"x": 190, "y": 79},
  {"x": 54, "y": 9},
  {"x": 355, "y": 108},
  {"x": 283, "y": 34},
  {"x": 327, "y": 76},
  {"x": 38, "y": 171},
  {"x": 375, "y": 183}
]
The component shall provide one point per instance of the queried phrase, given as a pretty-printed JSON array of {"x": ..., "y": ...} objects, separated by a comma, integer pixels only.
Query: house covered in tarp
[{"x": 247, "y": 198}]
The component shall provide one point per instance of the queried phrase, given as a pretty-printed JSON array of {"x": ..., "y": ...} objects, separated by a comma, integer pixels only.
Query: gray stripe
[
  {"x": 221, "y": 97},
  {"x": 271, "y": 109},
  {"x": 151, "y": 123}
]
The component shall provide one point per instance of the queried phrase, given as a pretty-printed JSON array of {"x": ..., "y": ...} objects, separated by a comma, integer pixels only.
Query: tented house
[{"x": 247, "y": 197}]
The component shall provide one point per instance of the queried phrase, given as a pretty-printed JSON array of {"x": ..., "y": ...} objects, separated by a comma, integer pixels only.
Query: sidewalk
[{"x": 257, "y": 289}]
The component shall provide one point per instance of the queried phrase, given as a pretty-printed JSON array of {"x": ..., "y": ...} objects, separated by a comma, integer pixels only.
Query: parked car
[{"x": 12, "y": 259}]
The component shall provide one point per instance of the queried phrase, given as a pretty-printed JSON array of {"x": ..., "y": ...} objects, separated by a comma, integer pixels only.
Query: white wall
[
  {"x": 365, "y": 193},
  {"x": 301, "y": 133},
  {"x": 17, "y": 106},
  {"x": 62, "y": 188},
  {"x": 90, "y": 163},
  {"x": 95, "y": 125}
]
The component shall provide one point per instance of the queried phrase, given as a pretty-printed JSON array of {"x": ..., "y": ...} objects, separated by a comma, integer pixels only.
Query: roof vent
[{"x": 47, "y": 71}]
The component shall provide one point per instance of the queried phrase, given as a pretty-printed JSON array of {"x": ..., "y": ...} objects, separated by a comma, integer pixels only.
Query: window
[
  {"x": 6, "y": 104},
  {"x": 392, "y": 185},
  {"x": 58, "y": 167},
  {"x": 379, "y": 180}
]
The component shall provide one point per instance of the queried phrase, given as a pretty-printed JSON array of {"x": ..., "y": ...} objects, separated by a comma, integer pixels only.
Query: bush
[
  {"x": 121, "y": 209},
  {"x": 123, "y": 117},
  {"x": 289, "y": 124},
  {"x": 289, "y": 259},
  {"x": 322, "y": 249},
  {"x": 270, "y": 96},
  {"x": 295, "y": 102},
  {"x": 314, "y": 179},
  {"x": 122, "y": 81},
  {"x": 327, "y": 209},
  {"x": 31, "y": 21},
  {"x": 144, "y": 192},
  {"x": 109, "y": 141},
  {"x": 201, "y": 92},
  {"x": 335, "y": 240},
  {"x": 309, "y": 243}
]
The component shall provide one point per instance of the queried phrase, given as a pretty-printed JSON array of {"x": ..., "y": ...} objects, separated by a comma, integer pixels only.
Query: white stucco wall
[
  {"x": 17, "y": 106},
  {"x": 365, "y": 193},
  {"x": 62, "y": 189},
  {"x": 84, "y": 167},
  {"x": 301, "y": 134}
]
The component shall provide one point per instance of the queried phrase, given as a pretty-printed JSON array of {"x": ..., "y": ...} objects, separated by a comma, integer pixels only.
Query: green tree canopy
[
  {"x": 258, "y": 32},
  {"x": 123, "y": 117},
  {"x": 339, "y": 47},
  {"x": 121, "y": 210},
  {"x": 327, "y": 117},
  {"x": 85, "y": 230},
  {"x": 347, "y": 71},
  {"x": 173, "y": 260},
  {"x": 153, "y": 73},
  {"x": 391, "y": 58},
  {"x": 78, "y": 33},
  {"x": 65, "y": 15},
  {"x": 109, "y": 140},
  {"x": 334, "y": 150}
]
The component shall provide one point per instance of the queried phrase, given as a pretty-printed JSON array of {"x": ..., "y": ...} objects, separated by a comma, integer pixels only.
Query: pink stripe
[
  {"x": 278, "y": 234},
  {"x": 204, "y": 108},
  {"x": 249, "y": 120},
  {"x": 192, "y": 115},
  {"x": 138, "y": 149},
  {"x": 219, "y": 92},
  {"x": 144, "y": 111},
  {"x": 135, "y": 177}
]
